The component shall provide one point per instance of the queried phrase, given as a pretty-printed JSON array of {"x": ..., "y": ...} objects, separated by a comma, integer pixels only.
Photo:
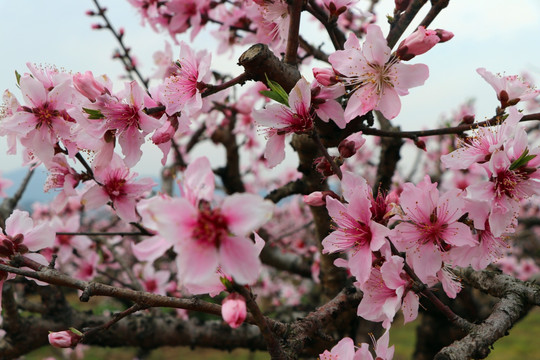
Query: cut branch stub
[{"x": 259, "y": 60}]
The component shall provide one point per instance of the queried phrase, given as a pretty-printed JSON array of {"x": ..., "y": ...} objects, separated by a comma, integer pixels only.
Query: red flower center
[{"x": 211, "y": 226}]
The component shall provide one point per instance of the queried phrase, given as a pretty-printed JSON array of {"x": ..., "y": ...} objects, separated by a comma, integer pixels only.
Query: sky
[{"x": 500, "y": 35}]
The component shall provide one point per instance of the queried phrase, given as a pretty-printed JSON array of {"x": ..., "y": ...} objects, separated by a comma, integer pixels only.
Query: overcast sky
[{"x": 500, "y": 35}]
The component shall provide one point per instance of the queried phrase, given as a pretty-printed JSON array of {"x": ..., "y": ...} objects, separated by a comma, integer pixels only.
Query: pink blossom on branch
[
  {"x": 376, "y": 79},
  {"x": 182, "y": 91},
  {"x": 430, "y": 227},
  {"x": 281, "y": 120},
  {"x": 510, "y": 89},
  {"x": 356, "y": 233},
  {"x": 115, "y": 184},
  {"x": 207, "y": 238}
]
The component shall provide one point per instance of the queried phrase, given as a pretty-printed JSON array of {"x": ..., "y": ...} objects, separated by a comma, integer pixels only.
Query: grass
[{"x": 520, "y": 344}]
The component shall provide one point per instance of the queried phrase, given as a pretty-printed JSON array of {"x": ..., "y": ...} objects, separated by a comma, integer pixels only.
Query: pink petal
[
  {"x": 389, "y": 103},
  {"x": 19, "y": 222},
  {"x": 409, "y": 76},
  {"x": 196, "y": 262},
  {"x": 410, "y": 307},
  {"x": 274, "y": 152},
  {"x": 39, "y": 237},
  {"x": 199, "y": 181},
  {"x": 300, "y": 95},
  {"x": 246, "y": 212},
  {"x": 426, "y": 261},
  {"x": 95, "y": 197},
  {"x": 239, "y": 258},
  {"x": 360, "y": 263},
  {"x": 375, "y": 47}
]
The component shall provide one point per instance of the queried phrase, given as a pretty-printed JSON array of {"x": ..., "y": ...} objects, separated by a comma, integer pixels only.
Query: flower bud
[
  {"x": 350, "y": 145},
  {"x": 444, "y": 35},
  {"x": 233, "y": 310},
  {"x": 325, "y": 77},
  {"x": 88, "y": 86},
  {"x": 64, "y": 339},
  {"x": 417, "y": 43},
  {"x": 420, "y": 144},
  {"x": 467, "y": 119},
  {"x": 318, "y": 198}
]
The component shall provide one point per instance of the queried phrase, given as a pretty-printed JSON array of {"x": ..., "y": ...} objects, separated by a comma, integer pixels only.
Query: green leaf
[
  {"x": 274, "y": 96},
  {"x": 75, "y": 331},
  {"x": 276, "y": 92},
  {"x": 94, "y": 114},
  {"x": 522, "y": 160},
  {"x": 18, "y": 76}
]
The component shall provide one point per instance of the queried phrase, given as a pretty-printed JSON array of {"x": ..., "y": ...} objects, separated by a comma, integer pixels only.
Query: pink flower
[
  {"x": 182, "y": 91},
  {"x": 281, "y": 120},
  {"x": 430, "y": 227},
  {"x": 490, "y": 248},
  {"x": 356, "y": 233},
  {"x": 43, "y": 121},
  {"x": 344, "y": 349},
  {"x": 377, "y": 77},
  {"x": 125, "y": 118},
  {"x": 510, "y": 89},
  {"x": 509, "y": 182},
  {"x": 386, "y": 291},
  {"x": 233, "y": 310},
  {"x": 484, "y": 141},
  {"x": 117, "y": 184},
  {"x": 64, "y": 339},
  {"x": 21, "y": 236},
  {"x": 209, "y": 238}
]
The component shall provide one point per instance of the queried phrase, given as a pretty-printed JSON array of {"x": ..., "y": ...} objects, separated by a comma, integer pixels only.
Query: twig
[
  {"x": 131, "y": 66},
  {"x": 89, "y": 233},
  {"x": 398, "y": 28},
  {"x": 10, "y": 203},
  {"x": 450, "y": 315},
  {"x": 117, "y": 317},
  {"x": 443, "y": 131},
  {"x": 212, "y": 89},
  {"x": 436, "y": 7},
  {"x": 295, "y": 10},
  {"x": 274, "y": 347},
  {"x": 297, "y": 186},
  {"x": 327, "y": 156}
]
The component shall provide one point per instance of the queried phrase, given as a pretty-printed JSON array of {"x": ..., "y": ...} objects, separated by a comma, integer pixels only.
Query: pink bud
[
  {"x": 417, "y": 43},
  {"x": 325, "y": 77},
  {"x": 97, "y": 26},
  {"x": 444, "y": 35},
  {"x": 233, "y": 310},
  {"x": 350, "y": 145},
  {"x": 318, "y": 198},
  {"x": 88, "y": 86},
  {"x": 64, "y": 339}
]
